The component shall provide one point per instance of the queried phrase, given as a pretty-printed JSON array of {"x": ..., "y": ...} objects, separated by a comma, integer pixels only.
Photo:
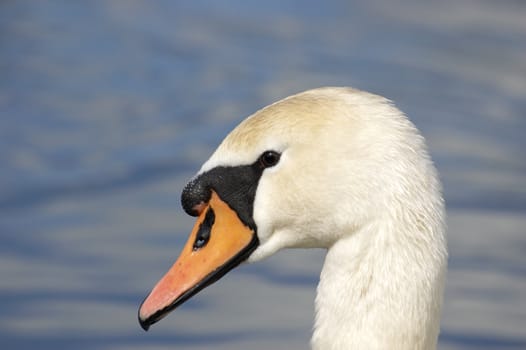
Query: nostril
[{"x": 205, "y": 229}]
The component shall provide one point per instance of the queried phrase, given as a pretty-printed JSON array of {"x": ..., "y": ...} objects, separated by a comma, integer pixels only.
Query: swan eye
[{"x": 269, "y": 159}]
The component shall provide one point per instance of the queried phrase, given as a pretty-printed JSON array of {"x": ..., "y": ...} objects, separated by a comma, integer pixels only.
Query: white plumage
[{"x": 355, "y": 178}]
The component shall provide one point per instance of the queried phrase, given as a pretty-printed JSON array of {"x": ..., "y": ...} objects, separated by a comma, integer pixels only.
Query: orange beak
[{"x": 219, "y": 242}]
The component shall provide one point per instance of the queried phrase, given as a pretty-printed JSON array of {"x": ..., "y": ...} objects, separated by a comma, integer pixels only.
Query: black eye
[{"x": 269, "y": 159}]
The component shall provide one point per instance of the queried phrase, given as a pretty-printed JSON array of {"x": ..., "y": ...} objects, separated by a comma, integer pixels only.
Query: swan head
[{"x": 303, "y": 172}]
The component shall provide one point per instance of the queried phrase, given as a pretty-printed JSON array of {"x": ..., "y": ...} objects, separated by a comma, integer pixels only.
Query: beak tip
[{"x": 145, "y": 324}]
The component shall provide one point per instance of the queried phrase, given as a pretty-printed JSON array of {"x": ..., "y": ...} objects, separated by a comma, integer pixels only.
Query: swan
[{"x": 336, "y": 168}]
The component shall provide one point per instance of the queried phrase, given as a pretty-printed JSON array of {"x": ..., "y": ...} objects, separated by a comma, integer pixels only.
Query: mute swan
[{"x": 335, "y": 168}]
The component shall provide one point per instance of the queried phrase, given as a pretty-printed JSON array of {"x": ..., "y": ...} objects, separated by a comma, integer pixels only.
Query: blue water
[{"x": 108, "y": 107}]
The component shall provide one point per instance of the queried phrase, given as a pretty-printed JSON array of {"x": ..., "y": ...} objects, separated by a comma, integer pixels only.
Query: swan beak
[{"x": 219, "y": 242}]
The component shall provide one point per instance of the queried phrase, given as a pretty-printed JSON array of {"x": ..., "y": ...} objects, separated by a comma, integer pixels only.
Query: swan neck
[{"x": 379, "y": 293}]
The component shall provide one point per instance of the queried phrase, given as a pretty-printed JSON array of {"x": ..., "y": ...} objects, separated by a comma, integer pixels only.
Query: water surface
[{"x": 108, "y": 107}]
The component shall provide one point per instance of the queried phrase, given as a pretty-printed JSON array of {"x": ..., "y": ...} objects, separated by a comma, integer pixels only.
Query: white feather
[{"x": 354, "y": 178}]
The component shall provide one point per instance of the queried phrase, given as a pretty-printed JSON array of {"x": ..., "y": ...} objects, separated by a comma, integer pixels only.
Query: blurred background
[{"x": 107, "y": 108}]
